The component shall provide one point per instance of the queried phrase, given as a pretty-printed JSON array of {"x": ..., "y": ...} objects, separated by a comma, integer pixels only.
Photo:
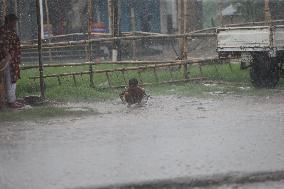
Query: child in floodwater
[{"x": 133, "y": 94}]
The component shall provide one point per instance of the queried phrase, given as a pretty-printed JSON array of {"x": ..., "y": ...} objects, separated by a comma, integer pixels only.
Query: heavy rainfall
[{"x": 135, "y": 94}]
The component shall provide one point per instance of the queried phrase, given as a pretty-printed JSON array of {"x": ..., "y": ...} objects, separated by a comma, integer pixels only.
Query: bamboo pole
[
  {"x": 189, "y": 61},
  {"x": 39, "y": 24},
  {"x": 4, "y": 9},
  {"x": 108, "y": 79},
  {"x": 220, "y": 15},
  {"x": 147, "y": 63},
  {"x": 48, "y": 27},
  {"x": 15, "y": 7},
  {"x": 185, "y": 41},
  {"x": 110, "y": 70},
  {"x": 110, "y": 16},
  {"x": 180, "y": 25},
  {"x": 90, "y": 18},
  {"x": 115, "y": 30},
  {"x": 267, "y": 13},
  {"x": 162, "y": 36},
  {"x": 133, "y": 29}
]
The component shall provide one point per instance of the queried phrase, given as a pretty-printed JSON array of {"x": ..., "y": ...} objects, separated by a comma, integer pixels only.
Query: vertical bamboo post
[
  {"x": 180, "y": 26},
  {"x": 200, "y": 69},
  {"x": 4, "y": 9},
  {"x": 111, "y": 26},
  {"x": 108, "y": 80},
  {"x": 220, "y": 16},
  {"x": 124, "y": 78},
  {"x": 48, "y": 27},
  {"x": 267, "y": 13},
  {"x": 110, "y": 16},
  {"x": 58, "y": 79},
  {"x": 114, "y": 28},
  {"x": 133, "y": 29},
  {"x": 185, "y": 40},
  {"x": 74, "y": 79},
  {"x": 116, "y": 22},
  {"x": 90, "y": 18},
  {"x": 140, "y": 76},
  {"x": 39, "y": 24},
  {"x": 16, "y": 12},
  {"x": 15, "y": 7}
]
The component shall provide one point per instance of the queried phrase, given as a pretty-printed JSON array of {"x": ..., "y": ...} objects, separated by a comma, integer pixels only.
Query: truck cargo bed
[{"x": 256, "y": 38}]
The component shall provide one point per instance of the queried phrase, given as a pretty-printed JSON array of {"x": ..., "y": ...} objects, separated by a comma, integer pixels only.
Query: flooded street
[{"x": 170, "y": 137}]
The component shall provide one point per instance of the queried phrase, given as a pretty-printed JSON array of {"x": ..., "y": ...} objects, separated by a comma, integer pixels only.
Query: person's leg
[{"x": 10, "y": 89}]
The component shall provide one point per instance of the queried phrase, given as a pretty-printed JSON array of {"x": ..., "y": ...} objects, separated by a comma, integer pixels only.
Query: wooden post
[
  {"x": 90, "y": 18},
  {"x": 116, "y": 23},
  {"x": 108, "y": 80},
  {"x": 185, "y": 40},
  {"x": 49, "y": 29},
  {"x": 41, "y": 17},
  {"x": 58, "y": 79},
  {"x": 39, "y": 24},
  {"x": 4, "y": 9},
  {"x": 110, "y": 16},
  {"x": 16, "y": 13},
  {"x": 114, "y": 28},
  {"x": 180, "y": 25},
  {"x": 267, "y": 14},
  {"x": 74, "y": 79},
  {"x": 124, "y": 78},
  {"x": 133, "y": 29},
  {"x": 220, "y": 9},
  {"x": 140, "y": 76},
  {"x": 15, "y": 7}
]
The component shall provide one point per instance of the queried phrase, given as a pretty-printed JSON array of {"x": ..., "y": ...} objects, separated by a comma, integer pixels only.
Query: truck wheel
[{"x": 264, "y": 72}]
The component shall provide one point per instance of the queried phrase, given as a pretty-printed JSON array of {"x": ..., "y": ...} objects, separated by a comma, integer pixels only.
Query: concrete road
[{"x": 168, "y": 138}]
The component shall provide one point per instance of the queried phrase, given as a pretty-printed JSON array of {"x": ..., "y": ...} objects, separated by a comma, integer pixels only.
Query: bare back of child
[{"x": 133, "y": 94}]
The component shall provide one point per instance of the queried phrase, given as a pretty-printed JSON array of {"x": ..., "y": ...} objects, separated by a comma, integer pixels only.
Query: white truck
[{"x": 261, "y": 49}]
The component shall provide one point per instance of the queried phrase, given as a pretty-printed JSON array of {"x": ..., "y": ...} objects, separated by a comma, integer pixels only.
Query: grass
[{"x": 232, "y": 81}]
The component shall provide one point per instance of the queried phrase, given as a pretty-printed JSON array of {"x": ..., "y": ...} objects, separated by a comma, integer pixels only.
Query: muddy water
[{"x": 167, "y": 138}]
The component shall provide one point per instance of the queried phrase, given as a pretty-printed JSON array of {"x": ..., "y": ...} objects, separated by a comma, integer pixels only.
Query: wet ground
[{"x": 169, "y": 137}]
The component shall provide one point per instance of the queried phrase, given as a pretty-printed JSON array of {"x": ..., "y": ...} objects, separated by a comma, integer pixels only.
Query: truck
[{"x": 260, "y": 48}]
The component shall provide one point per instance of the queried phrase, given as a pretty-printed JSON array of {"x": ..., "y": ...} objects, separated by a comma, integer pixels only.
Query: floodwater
[{"x": 169, "y": 137}]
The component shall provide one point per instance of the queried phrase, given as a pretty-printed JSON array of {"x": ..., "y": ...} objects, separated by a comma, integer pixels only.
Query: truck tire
[{"x": 264, "y": 72}]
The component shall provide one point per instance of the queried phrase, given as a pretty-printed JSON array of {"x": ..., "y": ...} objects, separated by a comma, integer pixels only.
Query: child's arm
[{"x": 143, "y": 90}]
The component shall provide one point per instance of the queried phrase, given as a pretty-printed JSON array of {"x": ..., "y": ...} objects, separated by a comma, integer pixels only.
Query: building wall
[
  {"x": 168, "y": 16},
  {"x": 70, "y": 16}
]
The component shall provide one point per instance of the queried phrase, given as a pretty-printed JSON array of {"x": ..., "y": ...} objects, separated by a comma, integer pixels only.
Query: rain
[{"x": 141, "y": 94}]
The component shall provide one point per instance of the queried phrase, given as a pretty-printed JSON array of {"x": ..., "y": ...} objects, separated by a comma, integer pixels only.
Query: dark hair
[
  {"x": 10, "y": 18},
  {"x": 133, "y": 82}
]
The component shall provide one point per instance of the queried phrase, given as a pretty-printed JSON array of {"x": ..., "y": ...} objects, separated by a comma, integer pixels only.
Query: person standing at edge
[{"x": 10, "y": 47}]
